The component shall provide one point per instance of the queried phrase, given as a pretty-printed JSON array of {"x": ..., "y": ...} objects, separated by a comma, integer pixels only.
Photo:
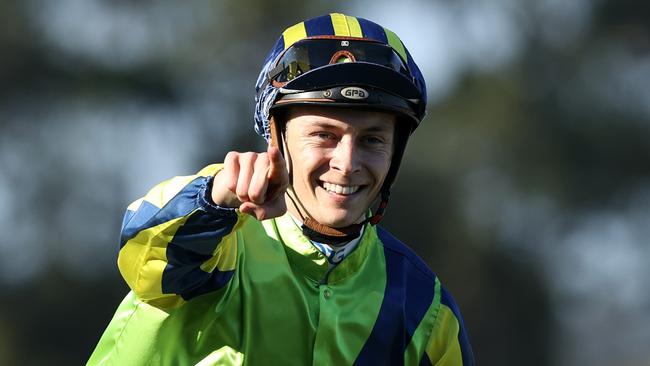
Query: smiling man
[
  {"x": 340, "y": 158},
  {"x": 275, "y": 258}
]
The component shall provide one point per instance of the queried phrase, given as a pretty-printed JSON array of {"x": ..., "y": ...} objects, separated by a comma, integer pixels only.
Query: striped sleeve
[
  {"x": 176, "y": 244},
  {"x": 448, "y": 344}
]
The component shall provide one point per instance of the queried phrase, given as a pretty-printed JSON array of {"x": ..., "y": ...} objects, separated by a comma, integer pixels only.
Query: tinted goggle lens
[{"x": 314, "y": 53}]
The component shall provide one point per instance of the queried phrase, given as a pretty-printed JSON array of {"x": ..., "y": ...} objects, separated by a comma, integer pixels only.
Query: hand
[{"x": 254, "y": 182}]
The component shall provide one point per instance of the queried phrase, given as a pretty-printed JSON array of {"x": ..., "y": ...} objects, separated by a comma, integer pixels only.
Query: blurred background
[{"x": 527, "y": 187}]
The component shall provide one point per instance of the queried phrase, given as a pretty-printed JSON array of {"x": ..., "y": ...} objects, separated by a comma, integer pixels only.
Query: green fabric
[
  {"x": 281, "y": 307},
  {"x": 114, "y": 347},
  {"x": 424, "y": 330},
  {"x": 274, "y": 311}
]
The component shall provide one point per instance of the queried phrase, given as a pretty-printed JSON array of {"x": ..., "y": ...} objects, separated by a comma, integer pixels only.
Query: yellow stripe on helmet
[
  {"x": 353, "y": 25},
  {"x": 294, "y": 34},
  {"x": 340, "y": 25},
  {"x": 345, "y": 26},
  {"x": 396, "y": 43}
]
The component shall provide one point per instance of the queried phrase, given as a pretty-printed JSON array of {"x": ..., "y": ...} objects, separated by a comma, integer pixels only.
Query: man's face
[{"x": 339, "y": 159}]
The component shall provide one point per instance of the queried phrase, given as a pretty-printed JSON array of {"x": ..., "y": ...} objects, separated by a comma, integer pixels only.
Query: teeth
[{"x": 335, "y": 188}]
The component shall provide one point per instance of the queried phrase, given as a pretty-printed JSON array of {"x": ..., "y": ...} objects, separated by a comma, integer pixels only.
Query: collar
[{"x": 306, "y": 258}]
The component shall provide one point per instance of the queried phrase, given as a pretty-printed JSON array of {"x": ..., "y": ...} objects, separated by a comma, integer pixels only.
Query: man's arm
[
  {"x": 170, "y": 237},
  {"x": 178, "y": 241},
  {"x": 448, "y": 344}
]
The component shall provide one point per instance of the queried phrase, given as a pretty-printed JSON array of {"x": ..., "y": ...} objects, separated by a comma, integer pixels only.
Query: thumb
[
  {"x": 266, "y": 211},
  {"x": 253, "y": 210}
]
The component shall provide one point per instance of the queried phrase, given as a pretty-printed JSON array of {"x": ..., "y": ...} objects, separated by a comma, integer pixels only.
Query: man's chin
[{"x": 341, "y": 221}]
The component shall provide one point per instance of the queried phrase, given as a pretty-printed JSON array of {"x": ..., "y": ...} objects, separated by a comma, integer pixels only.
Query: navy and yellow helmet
[{"x": 340, "y": 60}]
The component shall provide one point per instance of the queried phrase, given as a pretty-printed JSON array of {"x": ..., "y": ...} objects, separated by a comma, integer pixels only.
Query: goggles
[{"x": 312, "y": 53}]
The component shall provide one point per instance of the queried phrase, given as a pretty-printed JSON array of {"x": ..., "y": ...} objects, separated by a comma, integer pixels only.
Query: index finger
[{"x": 277, "y": 167}]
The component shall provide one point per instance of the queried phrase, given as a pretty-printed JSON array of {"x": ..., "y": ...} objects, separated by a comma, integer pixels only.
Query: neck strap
[{"x": 316, "y": 231}]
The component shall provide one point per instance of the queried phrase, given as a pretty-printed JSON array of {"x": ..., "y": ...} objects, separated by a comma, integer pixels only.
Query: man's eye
[
  {"x": 374, "y": 140},
  {"x": 324, "y": 135}
]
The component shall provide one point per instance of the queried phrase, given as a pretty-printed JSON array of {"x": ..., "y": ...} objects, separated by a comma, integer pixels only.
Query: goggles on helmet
[{"x": 312, "y": 53}]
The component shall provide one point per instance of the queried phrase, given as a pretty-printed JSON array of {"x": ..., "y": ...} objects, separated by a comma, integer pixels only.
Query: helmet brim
[
  {"x": 356, "y": 74},
  {"x": 335, "y": 97}
]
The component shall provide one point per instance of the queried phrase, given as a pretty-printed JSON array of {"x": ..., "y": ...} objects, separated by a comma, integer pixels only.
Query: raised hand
[{"x": 253, "y": 182}]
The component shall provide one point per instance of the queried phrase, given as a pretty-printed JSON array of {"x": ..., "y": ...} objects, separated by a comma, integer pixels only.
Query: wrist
[{"x": 221, "y": 195}]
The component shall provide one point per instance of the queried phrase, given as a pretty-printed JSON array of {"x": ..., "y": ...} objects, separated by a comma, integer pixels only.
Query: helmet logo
[{"x": 355, "y": 93}]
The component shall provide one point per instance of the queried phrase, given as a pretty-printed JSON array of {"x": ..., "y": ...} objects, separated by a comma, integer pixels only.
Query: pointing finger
[
  {"x": 278, "y": 174},
  {"x": 277, "y": 165}
]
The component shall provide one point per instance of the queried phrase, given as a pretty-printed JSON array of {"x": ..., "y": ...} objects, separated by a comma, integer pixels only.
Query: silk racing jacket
[{"x": 213, "y": 286}]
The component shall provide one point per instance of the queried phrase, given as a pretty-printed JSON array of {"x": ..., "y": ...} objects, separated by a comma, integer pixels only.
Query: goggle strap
[{"x": 274, "y": 72}]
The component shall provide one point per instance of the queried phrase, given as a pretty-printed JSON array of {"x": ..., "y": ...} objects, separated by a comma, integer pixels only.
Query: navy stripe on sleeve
[
  {"x": 184, "y": 276},
  {"x": 148, "y": 215},
  {"x": 463, "y": 340},
  {"x": 135, "y": 221},
  {"x": 192, "y": 245},
  {"x": 425, "y": 361}
]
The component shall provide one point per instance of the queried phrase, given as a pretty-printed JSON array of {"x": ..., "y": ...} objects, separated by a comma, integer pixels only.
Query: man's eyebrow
[
  {"x": 384, "y": 127},
  {"x": 322, "y": 124}
]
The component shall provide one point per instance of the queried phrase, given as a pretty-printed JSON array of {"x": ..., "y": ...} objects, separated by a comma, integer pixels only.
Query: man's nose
[{"x": 345, "y": 157}]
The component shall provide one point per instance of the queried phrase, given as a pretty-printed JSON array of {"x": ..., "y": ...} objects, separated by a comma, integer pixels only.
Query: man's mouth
[{"x": 340, "y": 189}]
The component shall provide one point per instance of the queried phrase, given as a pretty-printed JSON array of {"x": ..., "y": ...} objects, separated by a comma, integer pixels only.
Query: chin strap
[{"x": 320, "y": 233}]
